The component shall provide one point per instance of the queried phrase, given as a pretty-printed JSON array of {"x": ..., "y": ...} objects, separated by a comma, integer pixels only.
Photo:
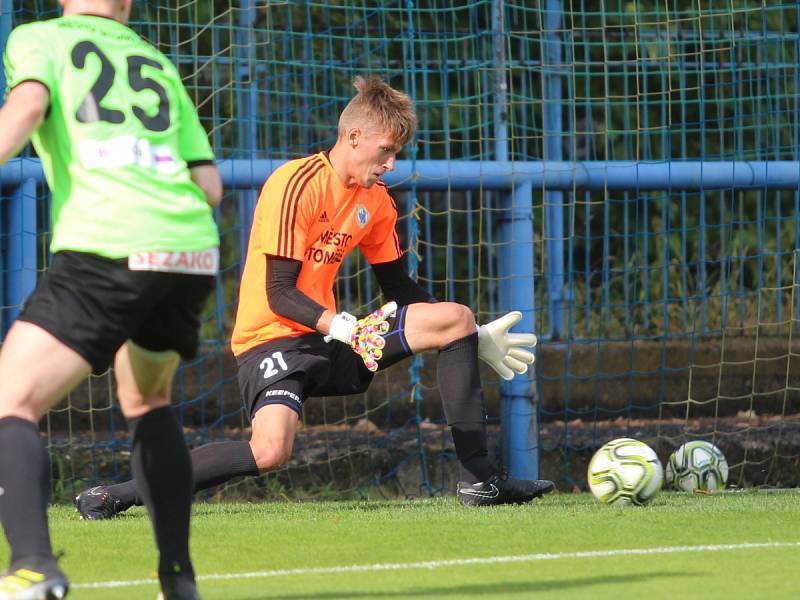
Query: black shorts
[
  {"x": 94, "y": 305},
  {"x": 289, "y": 370}
]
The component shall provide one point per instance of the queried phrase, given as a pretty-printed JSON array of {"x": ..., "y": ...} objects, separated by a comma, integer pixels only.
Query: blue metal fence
[
  {"x": 626, "y": 176},
  {"x": 516, "y": 229}
]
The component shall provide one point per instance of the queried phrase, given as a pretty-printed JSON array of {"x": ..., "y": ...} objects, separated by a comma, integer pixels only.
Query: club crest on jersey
[{"x": 362, "y": 216}]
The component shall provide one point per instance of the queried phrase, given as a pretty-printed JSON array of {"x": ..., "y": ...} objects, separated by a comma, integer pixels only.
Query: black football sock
[
  {"x": 212, "y": 464},
  {"x": 126, "y": 493},
  {"x": 163, "y": 472},
  {"x": 218, "y": 462},
  {"x": 462, "y": 398},
  {"x": 24, "y": 493}
]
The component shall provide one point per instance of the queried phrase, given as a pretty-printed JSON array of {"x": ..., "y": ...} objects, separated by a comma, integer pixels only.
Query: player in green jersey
[{"x": 135, "y": 250}]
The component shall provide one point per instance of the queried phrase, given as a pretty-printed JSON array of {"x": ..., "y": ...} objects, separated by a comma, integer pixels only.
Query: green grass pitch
[{"x": 729, "y": 545}]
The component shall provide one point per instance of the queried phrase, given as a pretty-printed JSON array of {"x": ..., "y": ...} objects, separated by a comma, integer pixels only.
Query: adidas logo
[{"x": 323, "y": 218}]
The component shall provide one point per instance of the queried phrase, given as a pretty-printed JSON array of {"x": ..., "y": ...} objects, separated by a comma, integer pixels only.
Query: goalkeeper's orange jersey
[{"x": 306, "y": 213}]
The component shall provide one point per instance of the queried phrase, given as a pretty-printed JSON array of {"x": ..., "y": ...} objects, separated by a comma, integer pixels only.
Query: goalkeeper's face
[{"x": 372, "y": 155}]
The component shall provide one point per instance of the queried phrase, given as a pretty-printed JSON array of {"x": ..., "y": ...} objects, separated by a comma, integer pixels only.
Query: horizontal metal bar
[{"x": 546, "y": 175}]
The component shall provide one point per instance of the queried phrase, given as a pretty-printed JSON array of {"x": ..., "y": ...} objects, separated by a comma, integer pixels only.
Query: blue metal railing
[
  {"x": 19, "y": 178},
  {"x": 689, "y": 175}
]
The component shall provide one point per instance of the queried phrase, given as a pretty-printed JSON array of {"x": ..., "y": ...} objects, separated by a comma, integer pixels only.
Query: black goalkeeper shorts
[
  {"x": 94, "y": 304},
  {"x": 289, "y": 370}
]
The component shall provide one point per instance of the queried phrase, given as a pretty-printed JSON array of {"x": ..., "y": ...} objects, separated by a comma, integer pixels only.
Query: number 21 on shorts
[{"x": 273, "y": 364}]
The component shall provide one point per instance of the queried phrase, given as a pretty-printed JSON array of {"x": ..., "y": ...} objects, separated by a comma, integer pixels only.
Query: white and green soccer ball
[
  {"x": 697, "y": 465},
  {"x": 625, "y": 471}
]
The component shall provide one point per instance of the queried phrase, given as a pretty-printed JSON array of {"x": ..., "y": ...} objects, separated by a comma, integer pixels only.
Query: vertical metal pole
[
  {"x": 5, "y": 29},
  {"x": 246, "y": 91},
  {"x": 516, "y": 272},
  {"x": 500, "y": 81},
  {"x": 19, "y": 271},
  {"x": 504, "y": 235},
  {"x": 19, "y": 222},
  {"x": 519, "y": 402},
  {"x": 6, "y": 23},
  {"x": 552, "y": 59},
  {"x": 413, "y": 241}
]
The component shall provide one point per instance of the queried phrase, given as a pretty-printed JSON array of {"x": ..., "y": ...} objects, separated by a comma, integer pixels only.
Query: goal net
[{"x": 656, "y": 144}]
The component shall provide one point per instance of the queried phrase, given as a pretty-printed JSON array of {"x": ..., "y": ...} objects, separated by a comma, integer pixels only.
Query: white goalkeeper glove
[
  {"x": 364, "y": 336},
  {"x": 503, "y": 351}
]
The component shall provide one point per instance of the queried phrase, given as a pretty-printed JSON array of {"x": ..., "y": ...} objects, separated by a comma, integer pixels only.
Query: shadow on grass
[{"x": 498, "y": 589}]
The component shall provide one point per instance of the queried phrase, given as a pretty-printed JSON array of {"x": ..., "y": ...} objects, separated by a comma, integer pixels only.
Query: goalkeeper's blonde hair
[{"x": 380, "y": 108}]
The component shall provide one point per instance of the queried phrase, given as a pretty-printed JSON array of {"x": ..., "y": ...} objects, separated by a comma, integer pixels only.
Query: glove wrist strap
[{"x": 342, "y": 327}]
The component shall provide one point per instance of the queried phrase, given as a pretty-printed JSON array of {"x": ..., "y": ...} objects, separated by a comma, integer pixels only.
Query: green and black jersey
[{"x": 117, "y": 141}]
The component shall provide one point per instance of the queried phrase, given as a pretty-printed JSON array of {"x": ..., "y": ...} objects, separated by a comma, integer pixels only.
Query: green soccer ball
[
  {"x": 697, "y": 466},
  {"x": 625, "y": 471}
]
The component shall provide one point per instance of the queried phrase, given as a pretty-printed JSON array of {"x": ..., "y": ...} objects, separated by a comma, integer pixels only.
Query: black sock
[
  {"x": 24, "y": 493},
  {"x": 218, "y": 462},
  {"x": 163, "y": 472},
  {"x": 212, "y": 464},
  {"x": 462, "y": 398},
  {"x": 126, "y": 493}
]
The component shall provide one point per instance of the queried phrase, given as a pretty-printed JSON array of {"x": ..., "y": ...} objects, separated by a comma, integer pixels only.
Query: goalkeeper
[{"x": 289, "y": 341}]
